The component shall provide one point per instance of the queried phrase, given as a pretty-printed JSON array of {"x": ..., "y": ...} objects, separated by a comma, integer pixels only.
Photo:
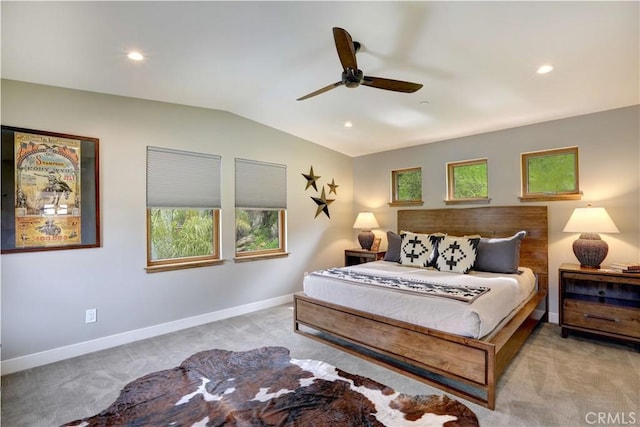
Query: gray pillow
[
  {"x": 394, "y": 242},
  {"x": 499, "y": 255}
]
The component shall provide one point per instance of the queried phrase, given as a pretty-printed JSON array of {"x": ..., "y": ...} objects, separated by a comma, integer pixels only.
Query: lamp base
[
  {"x": 365, "y": 237},
  {"x": 590, "y": 250}
]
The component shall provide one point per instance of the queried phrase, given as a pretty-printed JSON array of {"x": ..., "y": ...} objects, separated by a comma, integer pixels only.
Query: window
[
  {"x": 183, "y": 209},
  {"x": 550, "y": 175},
  {"x": 467, "y": 182},
  {"x": 406, "y": 187},
  {"x": 261, "y": 203}
]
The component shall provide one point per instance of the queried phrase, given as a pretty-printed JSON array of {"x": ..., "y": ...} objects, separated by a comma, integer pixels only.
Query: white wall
[
  {"x": 609, "y": 149},
  {"x": 45, "y": 294}
]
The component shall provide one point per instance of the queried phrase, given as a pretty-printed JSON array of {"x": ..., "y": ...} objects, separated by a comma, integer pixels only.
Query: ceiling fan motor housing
[{"x": 352, "y": 78}]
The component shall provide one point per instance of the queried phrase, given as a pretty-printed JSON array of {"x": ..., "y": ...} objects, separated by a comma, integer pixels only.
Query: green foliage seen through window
[
  {"x": 555, "y": 173},
  {"x": 257, "y": 230},
  {"x": 181, "y": 233},
  {"x": 470, "y": 181},
  {"x": 408, "y": 185}
]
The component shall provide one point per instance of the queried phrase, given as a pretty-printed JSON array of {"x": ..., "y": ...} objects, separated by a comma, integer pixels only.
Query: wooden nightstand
[
  {"x": 360, "y": 256},
  {"x": 599, "y": 302}
]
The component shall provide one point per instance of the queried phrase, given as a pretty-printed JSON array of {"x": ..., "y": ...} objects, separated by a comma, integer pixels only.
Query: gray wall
[
  {"x": 45, "y": 294},
  {"x": 609, "y": 153}
]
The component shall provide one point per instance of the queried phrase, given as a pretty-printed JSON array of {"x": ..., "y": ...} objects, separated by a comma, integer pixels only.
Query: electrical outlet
[{"x": 91, "y": 315}]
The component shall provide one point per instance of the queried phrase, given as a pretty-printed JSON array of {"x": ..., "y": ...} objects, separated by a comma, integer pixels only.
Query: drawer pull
[{"x": 595, "y": 316}]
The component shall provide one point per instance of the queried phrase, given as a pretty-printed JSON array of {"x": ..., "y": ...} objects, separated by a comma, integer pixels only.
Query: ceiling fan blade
[
  {"x": 319, "y": 91},
  {"x": 389, "y": 84},
  {"x": 345, "y": 47}
]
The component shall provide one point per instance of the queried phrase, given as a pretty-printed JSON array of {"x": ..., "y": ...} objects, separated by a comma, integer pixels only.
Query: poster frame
[{"x": 89, "y": 185}]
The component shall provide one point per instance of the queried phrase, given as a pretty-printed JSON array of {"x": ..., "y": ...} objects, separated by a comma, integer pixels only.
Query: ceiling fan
[{"x": 352, "y": 76}]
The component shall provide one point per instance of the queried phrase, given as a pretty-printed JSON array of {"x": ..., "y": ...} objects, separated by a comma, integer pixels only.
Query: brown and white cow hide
[{"x": 266, "y": 387}]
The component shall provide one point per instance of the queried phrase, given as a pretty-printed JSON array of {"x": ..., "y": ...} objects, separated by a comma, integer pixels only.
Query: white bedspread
[{"x": 474, "y": 320}]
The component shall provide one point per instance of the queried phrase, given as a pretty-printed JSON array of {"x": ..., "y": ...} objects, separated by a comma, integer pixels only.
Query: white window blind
[
  {"x": 182, "y": 179},
  {"x": 260, "y": 185}
]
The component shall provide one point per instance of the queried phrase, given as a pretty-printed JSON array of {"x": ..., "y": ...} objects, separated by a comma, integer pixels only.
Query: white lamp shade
[
  {"x": 366, "y": 221},
  {"x": 590, "y": 220}
]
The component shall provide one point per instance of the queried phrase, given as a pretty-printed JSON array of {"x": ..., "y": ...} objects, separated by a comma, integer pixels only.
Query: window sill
[
  {"x": 183, "y": 265},
  {"x": 407, "y": 203},
  {"x": 478, "y": 201},
  {"x": 249, "y": 258},
  {"x": 550, "y": 197}
]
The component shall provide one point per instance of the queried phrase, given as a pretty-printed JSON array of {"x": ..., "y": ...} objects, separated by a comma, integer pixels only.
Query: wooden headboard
[{"x": 493, "y": 221}]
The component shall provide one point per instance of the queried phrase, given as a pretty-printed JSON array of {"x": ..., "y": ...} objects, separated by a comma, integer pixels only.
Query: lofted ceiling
[{"x": 477, "y": 61}]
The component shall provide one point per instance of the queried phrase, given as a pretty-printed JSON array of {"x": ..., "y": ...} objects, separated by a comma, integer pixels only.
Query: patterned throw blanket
[
  {"x": 266, "y": 387},
  {"x": 424, "y": 287}
]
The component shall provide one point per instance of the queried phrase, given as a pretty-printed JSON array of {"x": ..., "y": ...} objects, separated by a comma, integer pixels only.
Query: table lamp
[
  {"x": 366, "y": 221},
  {"x": 589, "y": 248}
]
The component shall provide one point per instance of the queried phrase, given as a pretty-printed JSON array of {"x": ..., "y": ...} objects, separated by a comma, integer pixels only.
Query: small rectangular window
[
  {"x": 406, "y": 187},
  {"x": 183, "y": 209},
  {"x": 261, "y": 203},
  {"x": 550, "y": 175},
  {"x": 467, "y": 181}
]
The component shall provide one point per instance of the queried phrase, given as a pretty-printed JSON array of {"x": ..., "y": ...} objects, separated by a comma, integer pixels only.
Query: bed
[{"x": 466, "y": 366}]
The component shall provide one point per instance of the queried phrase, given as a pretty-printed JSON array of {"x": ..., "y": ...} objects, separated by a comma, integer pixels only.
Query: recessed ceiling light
[
  {"x": 135, "y": 56},
  {"x": 544, "y": 69},
  {"x": 348, "y": 124}
]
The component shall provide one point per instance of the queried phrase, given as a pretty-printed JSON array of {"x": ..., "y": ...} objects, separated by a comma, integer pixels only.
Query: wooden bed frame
[{"x": 466, "y": 367}]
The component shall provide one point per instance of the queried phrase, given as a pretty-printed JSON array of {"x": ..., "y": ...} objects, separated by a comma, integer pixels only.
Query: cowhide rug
[{"x": 266, "y": 386}]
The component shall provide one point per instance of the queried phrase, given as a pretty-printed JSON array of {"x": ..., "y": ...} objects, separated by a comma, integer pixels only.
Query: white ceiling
[{"x": 477, "y": 61}]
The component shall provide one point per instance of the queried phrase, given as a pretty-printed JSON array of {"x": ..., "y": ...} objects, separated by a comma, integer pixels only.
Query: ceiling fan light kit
[{"x": 352, "y": 76}]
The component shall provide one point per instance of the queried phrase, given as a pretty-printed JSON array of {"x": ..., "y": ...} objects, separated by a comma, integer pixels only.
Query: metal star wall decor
[
  {"x": 332, "y": 187},
  {"x": 323, "y": 204},
  {"x": 311, "y": 179}
]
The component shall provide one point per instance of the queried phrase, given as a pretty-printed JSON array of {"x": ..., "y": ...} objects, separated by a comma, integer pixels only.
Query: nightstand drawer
[
  {"x": 602, "y": 317},
  {"x": 360, "y": 256}
]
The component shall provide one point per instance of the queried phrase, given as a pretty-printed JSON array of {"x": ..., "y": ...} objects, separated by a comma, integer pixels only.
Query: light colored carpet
[{"x": 552, "y": 382}]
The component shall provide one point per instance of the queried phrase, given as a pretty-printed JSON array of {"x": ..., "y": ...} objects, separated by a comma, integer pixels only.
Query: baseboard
[
  {"x": 551, "y": 317},
  {"x": 74, "y": 350}
]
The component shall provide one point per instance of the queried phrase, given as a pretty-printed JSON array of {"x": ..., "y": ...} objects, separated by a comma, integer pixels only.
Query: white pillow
[
  {"x": 457, "y": 254},
  {"x": 418, "y": 250}
]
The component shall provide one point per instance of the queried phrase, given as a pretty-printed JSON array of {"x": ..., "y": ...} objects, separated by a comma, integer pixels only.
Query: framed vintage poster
[{"x": 50, "y": 191}]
